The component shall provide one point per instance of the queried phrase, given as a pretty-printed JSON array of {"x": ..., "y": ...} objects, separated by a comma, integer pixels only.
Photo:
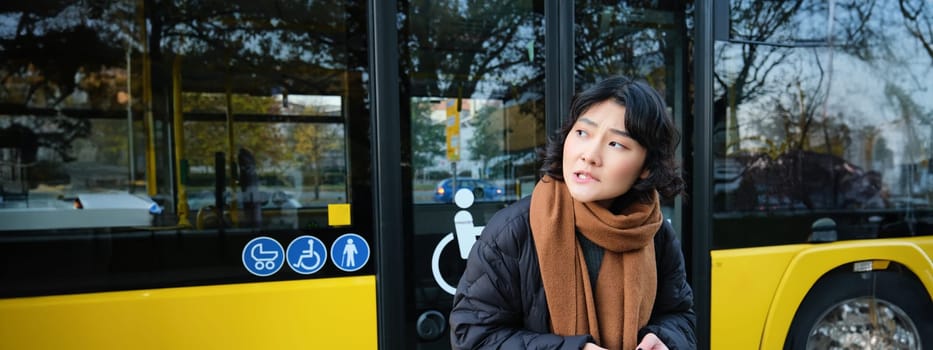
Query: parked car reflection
[
  {"x": 266, "y": 199},
  {"x": 482, "y": 190},
  {"x": 798, "y": 180}
]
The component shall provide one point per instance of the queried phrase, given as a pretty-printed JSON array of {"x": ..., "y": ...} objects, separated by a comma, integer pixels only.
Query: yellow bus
[
  {"x": 819, "y": 158},
  {"x": 271, "y": 174}
]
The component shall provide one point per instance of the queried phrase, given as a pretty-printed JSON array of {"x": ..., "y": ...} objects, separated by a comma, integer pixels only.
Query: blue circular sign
[
  {"x": 306, "y": 255},
  {"x": 263, "y": 256},
  {"x": 349, "y": 252}
]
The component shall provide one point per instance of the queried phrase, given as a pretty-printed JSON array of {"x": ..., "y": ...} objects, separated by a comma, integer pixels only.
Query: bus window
[
  {"x": 303, "y": 150},
  {"x": 290, "y": 154},
  {"x": 173, "y": 127},
  {"x": 105, "y": 123},
  {"x": 67, "y": 127},
  {"x": 822, "y": 110}
]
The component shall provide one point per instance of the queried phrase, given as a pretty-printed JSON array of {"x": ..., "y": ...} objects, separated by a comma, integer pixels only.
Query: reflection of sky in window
[
  {"x": 69, "y": 17},
  {"x": 112, "y": 21},
  {"x": 626, "y": 39},
  {"x": 281, "y": 45},
  {"x": 808, "y": 24},
  {"x": 8, "y": 22},
  {"x": 324, "y": 104},
  {"x": 856, "y": 96}
]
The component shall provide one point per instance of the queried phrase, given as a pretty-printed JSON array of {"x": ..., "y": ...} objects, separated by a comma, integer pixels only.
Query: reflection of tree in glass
[
  {"x": 427, "y": 138},
  {"x": 487, "y": 140},
  {"x": 910, "y": 116},
  {"x": 203, "y": 139},
  {"x": 41, "y": 69},
  {"x": 108, "y": 138},
  {"x": 57, "y": 134},
  {"x": 748, "y": 65},
  {"x": 765, "y": 35},
  {"x": 301, "y": 47},
  {"x": 41, "y": 66},
  {"x": 819, "y": 143},
  {"x": 478, "y": 50},
  {"x": 636, "y": 40},
  {"x": 475, "y": 49},
  {"x": 266, "y": 141},
  {"x": 793, "y": 123},
  {"x": 918, "y": 16},
  {"x": 315, "y": 144},
  {"x": 256, "y": 50}
]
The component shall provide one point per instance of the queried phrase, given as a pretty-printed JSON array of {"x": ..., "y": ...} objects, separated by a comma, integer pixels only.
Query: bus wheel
[{"x": 884, "y": 309}]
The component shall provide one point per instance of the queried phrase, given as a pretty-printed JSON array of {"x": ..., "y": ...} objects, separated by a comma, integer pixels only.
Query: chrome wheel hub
[{"x": 864, "y": 323}]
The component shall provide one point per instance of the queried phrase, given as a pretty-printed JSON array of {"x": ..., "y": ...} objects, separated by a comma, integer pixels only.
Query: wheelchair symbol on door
[
  {"x": 466, "y": 234},
  {"x": 306, "y": 255}
]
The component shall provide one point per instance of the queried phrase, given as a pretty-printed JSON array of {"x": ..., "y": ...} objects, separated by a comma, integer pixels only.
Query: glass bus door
[
  {"x": 472, "y": 98},
  {"x": 472, "y": 101}
]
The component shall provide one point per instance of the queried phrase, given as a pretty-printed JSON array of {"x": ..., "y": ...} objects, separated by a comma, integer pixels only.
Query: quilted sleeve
[{"x": 487, "y": 311}]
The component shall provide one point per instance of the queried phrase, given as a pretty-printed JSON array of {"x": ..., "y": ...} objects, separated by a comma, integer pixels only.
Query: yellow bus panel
[
  {"x": 756, "y": 291},
  {"x": 742, "y": 286},
  {"x": 327, "y": 313}
]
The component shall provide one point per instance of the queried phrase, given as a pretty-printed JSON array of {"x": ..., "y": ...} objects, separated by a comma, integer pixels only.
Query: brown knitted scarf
[{"x": 627, "y": 280}]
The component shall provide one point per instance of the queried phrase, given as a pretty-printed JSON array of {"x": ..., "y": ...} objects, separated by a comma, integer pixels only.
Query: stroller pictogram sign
[
  {"x": 263, "y": 256},
  {"x": 306, "y": 255}
]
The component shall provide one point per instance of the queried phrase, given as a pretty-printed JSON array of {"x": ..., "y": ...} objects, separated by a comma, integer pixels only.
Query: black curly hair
[{"x": 646, "y": 120}]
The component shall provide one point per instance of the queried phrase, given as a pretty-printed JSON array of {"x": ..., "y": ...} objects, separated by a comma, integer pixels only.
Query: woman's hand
[
  {"x": 591, "y": 346},
  {"x": 651, "y": 342}
]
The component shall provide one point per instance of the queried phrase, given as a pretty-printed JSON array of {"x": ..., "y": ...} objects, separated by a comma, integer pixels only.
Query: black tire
[
  {"x": 478, "y": 193},
  {"x": 895, "y": 285}
]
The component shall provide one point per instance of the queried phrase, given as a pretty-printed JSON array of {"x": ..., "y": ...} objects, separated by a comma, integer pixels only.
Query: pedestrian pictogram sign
[{"x": 349, "y": 252}]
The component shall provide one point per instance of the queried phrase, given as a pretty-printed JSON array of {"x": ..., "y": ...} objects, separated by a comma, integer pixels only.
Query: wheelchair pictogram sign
[
  {"x": 306, "y": 255},
  {"x": 466, "y": 234},
  {"x": 263, "y": 256}
]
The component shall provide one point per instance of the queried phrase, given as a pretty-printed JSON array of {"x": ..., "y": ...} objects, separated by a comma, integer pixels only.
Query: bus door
[
  {"x": 473, "y": 98},
  {"x": 472, "y": 101}
]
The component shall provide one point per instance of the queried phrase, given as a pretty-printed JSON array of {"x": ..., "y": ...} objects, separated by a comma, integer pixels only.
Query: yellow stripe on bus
[{"x": 322, "y": 313}]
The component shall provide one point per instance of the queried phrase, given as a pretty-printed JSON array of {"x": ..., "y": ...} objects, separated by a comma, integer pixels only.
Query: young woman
[{"x": 587, "y": 261}]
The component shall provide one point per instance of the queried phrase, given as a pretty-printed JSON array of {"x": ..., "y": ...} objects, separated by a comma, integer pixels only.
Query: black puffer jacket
[{"x": 500, "y": 301}]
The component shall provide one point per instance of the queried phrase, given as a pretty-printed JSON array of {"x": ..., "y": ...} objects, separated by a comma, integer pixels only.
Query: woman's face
[{"x": 601, "y": 161}]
